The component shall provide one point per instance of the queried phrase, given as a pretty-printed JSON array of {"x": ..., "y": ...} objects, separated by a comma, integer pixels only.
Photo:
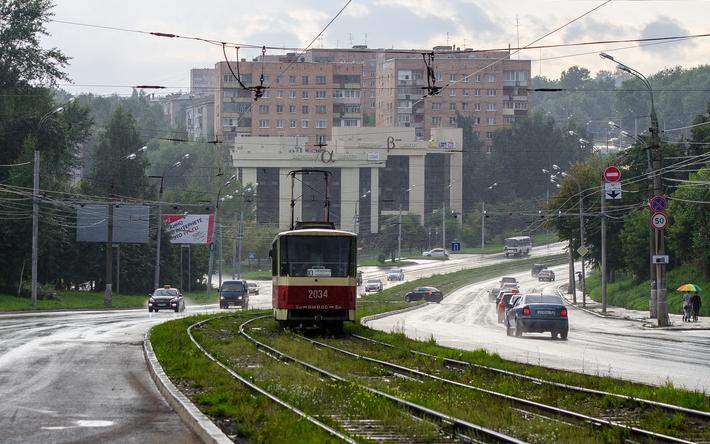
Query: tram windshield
[{"x": 318, "y": 256}]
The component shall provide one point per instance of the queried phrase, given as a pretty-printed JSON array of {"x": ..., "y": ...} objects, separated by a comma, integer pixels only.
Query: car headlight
[{"x": 151, "y": 300}]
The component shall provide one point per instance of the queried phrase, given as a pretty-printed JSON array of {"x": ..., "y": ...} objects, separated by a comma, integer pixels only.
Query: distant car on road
[
  {"x": 508, "y": 280},
  {"x": 234, "y": 293},
  {"x": 538, "y": 313},
  {"x": 166, "y": 298},
  {"x": 253, "y": 287},
  {"x": 373, "y": 285},
  {"x": 546, "y": 275},
  {"x": 536, "y": 269},
  {"x": 395, "y": 274},
  {"x": 436, "y": 252},
  {"x": 501, "y": 304},
  {"x": 429, "y": 294}
]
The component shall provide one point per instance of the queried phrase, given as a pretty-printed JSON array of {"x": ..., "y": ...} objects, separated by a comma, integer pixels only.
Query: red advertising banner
[{"x": 189, "y": 228}]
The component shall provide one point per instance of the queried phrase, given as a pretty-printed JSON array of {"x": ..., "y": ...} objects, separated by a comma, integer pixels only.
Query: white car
[
  {"x": 436, "y": 252},
  {"x": 395, "y": 274},
  {"x": 373, "y": 285}
]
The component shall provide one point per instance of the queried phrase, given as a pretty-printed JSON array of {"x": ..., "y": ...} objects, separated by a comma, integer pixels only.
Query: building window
[
  {"x": 477, "y": 77},
  {"x": 320, "y": 80},
  {"x": 304, "y": 123},
  {"x": 465, "y": 78},
  {"x": 452, "y": 106},
  {"x": 452, "y": 120},
  {"x": 477, "y": 92},
  {"x": 292, "y": 94},
  {"x": 507, "y": 104},
  {"x": 320, "y": 109},
  {"x": 520, "y": 105},
  {"x": 476, "y": 106},
  {"x": 452, "y": 77},
  {"x": 491, "y": 107},
  {"x": 304, "y": 109},
  {"x": 435, "y": 121},
  {"x": 436, "y": 106},
  {"x": 279, "y": 108},
  {"x": 263, "y": 123},
  {"x": 279, "y": 123},
  {"x": 320, "y": 94},
  {"x": 291, "y": 80},
  {"x": 491, "y": 78},
  {"x": 292, "y": 123},
  {"x": 464, "y": 92},
  {"x": 320, "y": 139},
  {"x": 464, "y": 106},
  {"x": 263, "y": 109},
  {"x": 452, "y": 92},
  {"x": 476, "y": 120},
  {"x": 304, "y": 94},
  {"x": 492, "y": 120},
  {"x": 280, "y": 94},
  {"x": 279, "y": 78},
  {"x": 292, "y": 109},
  {"x": 489, "y": 134},
  {"x": 508, "y": 119},
  {"x": 351, "y": 122},
  {"x": 320, "y": 124},
  {"x": 304, "y": 80},
  {"x": 491, "y": 92}
]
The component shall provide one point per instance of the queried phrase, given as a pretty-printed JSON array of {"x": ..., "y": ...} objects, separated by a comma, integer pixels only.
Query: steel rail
[
  {"x": 641, "y": 401},
  {"x": 442, "y": 417},
  {"x": 261, "y": 391},
  {"x": 536, "y": 405}
]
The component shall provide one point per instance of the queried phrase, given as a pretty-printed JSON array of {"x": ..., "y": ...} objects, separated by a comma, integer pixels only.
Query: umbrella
[{"x": 692, "y": 288}]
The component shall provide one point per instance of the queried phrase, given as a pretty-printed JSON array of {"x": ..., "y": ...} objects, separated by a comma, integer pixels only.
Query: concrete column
[
  {"x": 349, "y": 195},
  {"x": 374, "y": 200},
  {"x": 416, "y": 185}
]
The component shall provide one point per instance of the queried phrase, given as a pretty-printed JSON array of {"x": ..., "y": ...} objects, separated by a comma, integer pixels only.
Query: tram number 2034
[{"x": 317, "y": 293}]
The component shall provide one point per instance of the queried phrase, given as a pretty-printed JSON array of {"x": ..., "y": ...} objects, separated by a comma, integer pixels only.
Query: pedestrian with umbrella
[{"x": 691, "y": 302}]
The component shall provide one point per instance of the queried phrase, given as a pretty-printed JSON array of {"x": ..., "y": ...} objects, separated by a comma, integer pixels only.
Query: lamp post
[
  {"x": 581, "y": 235},
  {"x": 483, "y": 217},
  {"x": 550, "y": 174},
  {"x": 178, "y": 164},
  {"x": 35, "y": 200},
  {"x": 656, "y": 243},
  {"x": 356, "y": 218},
  {"x": 216, "y": 223}
]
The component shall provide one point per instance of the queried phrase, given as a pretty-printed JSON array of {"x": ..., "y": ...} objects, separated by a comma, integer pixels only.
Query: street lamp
[
  {"x": 656, "y": 241},
  {"x": 216, "y": 223},
  {"x": 178, "y": 164},
  {"x": 356, "y": 218},
  {"x": 581, "y": 237},
  {"x": 483, "y": 216},
  {"x": 35, "y": 199},
  {"x": 550, "y": 174}
]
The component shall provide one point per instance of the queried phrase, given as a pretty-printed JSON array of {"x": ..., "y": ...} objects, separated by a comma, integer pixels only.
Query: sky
[{"x": 105, "y": 61}]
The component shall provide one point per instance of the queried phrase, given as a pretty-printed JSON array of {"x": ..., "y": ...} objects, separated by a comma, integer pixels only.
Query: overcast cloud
[{"x": 109, "y": 61}]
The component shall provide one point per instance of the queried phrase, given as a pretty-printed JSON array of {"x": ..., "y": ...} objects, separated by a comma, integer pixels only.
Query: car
[
  {"x": 546, "y": 275},
  {"x": 436, "y": 252},
  {"x": 538, "y": 313},
  {"x": 493, "y": 294},
  {"x": 166, "y": 298},
  {"x": 359, "y": 278},
  {"x": 508, "y": 280},
  {"x": 429, "y": 294},
  {"x": 373, "y": 285},
  {"x": 234, "y": 293},
  {"x": 510, "y": 287},
  {"x": 253, "y": 287},
  {"x": 536, "y": 269},
  {"x": 395, "y": 274},
  {"x": 501, "y": 301}
]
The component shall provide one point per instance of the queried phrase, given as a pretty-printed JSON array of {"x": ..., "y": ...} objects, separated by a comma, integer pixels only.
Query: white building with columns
[{"x": 375, "y": 173}]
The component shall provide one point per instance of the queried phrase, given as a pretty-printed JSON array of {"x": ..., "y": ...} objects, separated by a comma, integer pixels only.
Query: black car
[
  {"x": 429, "y": 294},
  {"x": 537, "y": 313},
  {"x": 166, "y": 298},
  {"x": 235, "y": 293}
]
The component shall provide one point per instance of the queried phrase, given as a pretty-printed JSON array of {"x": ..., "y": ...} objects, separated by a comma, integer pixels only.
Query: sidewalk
[{"x": 595, "y": 308}]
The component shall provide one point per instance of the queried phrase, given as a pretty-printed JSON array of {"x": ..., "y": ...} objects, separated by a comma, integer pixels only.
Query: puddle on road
[{"x": 82, "y": 423}]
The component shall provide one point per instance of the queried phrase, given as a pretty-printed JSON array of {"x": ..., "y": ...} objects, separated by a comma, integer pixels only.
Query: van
[
  {"x": 235, "y": 293},
  {"x": 536, "y": 269}
]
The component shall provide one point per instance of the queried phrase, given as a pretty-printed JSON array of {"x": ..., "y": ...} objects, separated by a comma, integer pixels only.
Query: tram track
[{"x": 357, "y": 428}]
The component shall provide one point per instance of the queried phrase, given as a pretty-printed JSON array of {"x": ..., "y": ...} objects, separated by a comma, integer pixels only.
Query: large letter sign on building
[{"x": 190, "y": 228}]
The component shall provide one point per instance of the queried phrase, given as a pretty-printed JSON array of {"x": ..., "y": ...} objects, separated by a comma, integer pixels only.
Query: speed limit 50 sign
[{"x": 659, "y": 220}]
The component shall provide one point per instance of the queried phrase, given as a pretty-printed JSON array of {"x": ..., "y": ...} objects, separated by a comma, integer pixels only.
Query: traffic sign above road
[
  {"x": 659, "y": 220},
  {"x": 658, "y": 203},
  {"x": 612, "y": 174}
]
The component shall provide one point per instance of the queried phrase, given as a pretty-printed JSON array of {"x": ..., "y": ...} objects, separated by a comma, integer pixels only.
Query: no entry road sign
[{"x": 612, "y": 174}]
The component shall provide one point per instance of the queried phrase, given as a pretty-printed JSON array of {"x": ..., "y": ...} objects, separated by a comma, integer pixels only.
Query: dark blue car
[{"x": 537, "y": 313}]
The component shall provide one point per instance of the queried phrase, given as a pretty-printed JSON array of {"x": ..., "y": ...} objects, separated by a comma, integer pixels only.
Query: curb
[
  {"x": 195, "y": 420},
  {"x": 366, "y": 319}
]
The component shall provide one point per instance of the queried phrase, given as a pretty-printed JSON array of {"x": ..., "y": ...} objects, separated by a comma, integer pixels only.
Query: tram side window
[
  {"x": 274, "y": 258},
  {"x": 325, "y": 256}
]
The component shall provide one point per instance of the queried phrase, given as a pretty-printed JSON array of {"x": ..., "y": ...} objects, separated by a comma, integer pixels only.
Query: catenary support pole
[
  {"x": 603, "y": 261},
  {"x": 108, "y": 295},
  {"x": 35, "y": 226},
  {"x": 483, "y": 225}
]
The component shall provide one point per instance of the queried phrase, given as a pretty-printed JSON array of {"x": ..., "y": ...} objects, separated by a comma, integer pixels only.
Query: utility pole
[
  {"x": 241, "y": 237},
  {"x": 656, "y": 156},
  {"x": 108, "y": 296},
  {"x": 156, "y": 278},
  {"x": 35, "y": 225},
  {"x": 603, "y": 264},
  {"x": 443, "y": 227},
  {"x": 483, "y": 225},
  {"x": 572, "y": 287},
  {"x": 399, "y": 234}
]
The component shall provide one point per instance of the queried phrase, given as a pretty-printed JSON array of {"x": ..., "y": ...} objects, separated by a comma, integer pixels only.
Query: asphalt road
[{"x": 466, "y": 319}]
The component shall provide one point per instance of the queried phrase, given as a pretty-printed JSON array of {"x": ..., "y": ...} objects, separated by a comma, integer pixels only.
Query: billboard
[
  {"x": 130, "y": 223},
  {"x": 189, "y": 228}
]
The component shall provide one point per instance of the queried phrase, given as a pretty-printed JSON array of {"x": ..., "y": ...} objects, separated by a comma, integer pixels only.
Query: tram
[{"x": 314, "y": 272}]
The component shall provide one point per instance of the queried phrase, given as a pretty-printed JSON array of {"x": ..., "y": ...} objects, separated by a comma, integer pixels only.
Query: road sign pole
[{"x": 603, "y": 264}]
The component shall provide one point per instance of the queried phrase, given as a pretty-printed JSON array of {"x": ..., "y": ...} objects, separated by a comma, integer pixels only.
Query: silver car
[{"x": 373, "y": 285}]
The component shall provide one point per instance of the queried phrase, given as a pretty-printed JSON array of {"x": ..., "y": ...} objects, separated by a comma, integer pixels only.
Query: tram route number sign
[
  {"x": 659, "y": 220},
  {"x": 658, "y": 203}
]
